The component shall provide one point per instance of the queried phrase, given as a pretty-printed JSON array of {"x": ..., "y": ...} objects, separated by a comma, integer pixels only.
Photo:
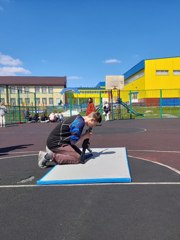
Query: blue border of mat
[{"x": 86, "y": 181}]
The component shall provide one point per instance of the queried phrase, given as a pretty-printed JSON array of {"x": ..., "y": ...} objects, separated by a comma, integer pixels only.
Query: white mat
[{"x": 108, "y": 165}]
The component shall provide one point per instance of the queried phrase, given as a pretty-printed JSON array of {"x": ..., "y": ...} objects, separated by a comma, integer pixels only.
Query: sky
[{"x": 85, "y": 40}]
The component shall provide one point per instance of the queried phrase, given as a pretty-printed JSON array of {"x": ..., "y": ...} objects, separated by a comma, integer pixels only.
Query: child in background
[
  {"x": 106, "y": 111},
  {"x": 91, "y": 107},
  {"x": 3, "y": 111}
]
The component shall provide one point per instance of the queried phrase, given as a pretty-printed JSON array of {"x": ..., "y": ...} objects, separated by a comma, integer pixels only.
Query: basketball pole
[
  {"x": 119, "y": 108},
  {"x": 112, "y": 104}
]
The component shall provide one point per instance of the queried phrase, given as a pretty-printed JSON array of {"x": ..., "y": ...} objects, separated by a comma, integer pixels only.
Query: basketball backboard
[{"x": 115, "y": 82}]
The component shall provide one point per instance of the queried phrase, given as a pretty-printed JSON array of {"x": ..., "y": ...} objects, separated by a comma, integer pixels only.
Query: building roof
[
  {"x": 32, "y": 81},
  {"x": 100, "y": 85},
  {"x": 75, "y": 90},
  {"x": 138, "y": 67}
]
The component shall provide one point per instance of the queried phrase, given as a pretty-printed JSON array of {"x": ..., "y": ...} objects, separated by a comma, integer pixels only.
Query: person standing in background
[
  {"x": 106, "y": 111},
  {"x": 3, "y": 112},
  {"x": 91, "y": 107}
]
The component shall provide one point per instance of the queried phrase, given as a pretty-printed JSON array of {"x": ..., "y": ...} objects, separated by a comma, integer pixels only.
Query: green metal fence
[
  {"x": 18, "y": 100},
  {"x": 139, "y": 104},
  {"x": 158, "y": 103}
]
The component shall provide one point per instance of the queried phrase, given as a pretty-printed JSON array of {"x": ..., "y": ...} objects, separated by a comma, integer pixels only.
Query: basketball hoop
[{"x": 115, "y": 82}]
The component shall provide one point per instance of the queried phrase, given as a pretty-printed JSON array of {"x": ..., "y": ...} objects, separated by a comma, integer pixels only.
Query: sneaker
[
  {"x": 50, "y": 153},
  {"x": 42, "y": 160}
]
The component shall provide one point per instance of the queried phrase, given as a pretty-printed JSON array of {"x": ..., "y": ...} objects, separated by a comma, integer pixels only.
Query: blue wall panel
[{"x": 171, "y": 102}]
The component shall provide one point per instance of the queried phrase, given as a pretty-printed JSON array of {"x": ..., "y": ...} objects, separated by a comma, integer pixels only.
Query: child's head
[
  {"x": 93, "y": 119},
  {"x": 90, "y": 100}
]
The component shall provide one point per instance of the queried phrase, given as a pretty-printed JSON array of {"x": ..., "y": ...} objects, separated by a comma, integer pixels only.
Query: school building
[
  {"x": 147, "y": 83},
  {"x": 31, "y": 91},
  {"x": 154, "y": 79}
]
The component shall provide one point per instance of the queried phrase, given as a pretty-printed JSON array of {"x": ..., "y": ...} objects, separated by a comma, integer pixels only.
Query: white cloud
[
  {"x": 74, "y": 78},
  {"x": 112, "y": 61},
  {"x": 12, "y": 71},
  {"x": 10, "y": 66},
  {"x": 9, "y": 61}
]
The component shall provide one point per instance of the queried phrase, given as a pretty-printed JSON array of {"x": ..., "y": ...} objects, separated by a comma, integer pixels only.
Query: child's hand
[{"x": 88, "y": 134}]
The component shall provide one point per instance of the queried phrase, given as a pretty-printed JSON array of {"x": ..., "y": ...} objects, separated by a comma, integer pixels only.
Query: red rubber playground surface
[{"x": 147, "y": 208}]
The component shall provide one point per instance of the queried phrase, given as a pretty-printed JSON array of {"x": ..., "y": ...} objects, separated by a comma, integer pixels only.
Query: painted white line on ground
[
  {"x": 162, "y": 130},
  {"x": 11, "y": 153},
  {"x": 161, "y": 164},
  {"x": 130, "y": 150},
  {"x": 97, "y": 184},
  {"x": 162, "y": 151},
  {"x": 18, "y": 156},
  {"x": 141, "y": 130}
]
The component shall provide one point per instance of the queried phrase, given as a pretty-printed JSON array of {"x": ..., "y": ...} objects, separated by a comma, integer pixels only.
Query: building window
[
  {"x": 13, "y": 101},
  {"x": 26, "y": 89},
  {"x": 38, "y": 101},
  {"x": 50, "y": 89},
  {"x": 51, "y": 101},
  {"x": 1, "y": 90},
  {"x": 135, "y": 97},
  {"x": 12, "y": 90},
  {"x": 20, "y": 101},
  {"x": 176, "y": 72},
  {"x": 19, "y": 89},
  {"x": 44, "y": 101},
  {"x": 27, "y": 101},
  {"x": 162, "y": 72},
  {"x": 37, "y": 89},
  {"x": 44, "y": 89}
]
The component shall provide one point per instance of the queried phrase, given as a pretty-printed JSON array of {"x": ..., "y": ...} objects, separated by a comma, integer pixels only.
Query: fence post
[
  {"x": 160, "y": 103},
  {"x": 35, "y": 106},
  {"x": 100, "y": 102},
  {"x": 130, "y": 102},
  {"x": 7, "y": 95},
  {"x": 112, "y": 110},
  {"x": 19, "y": 107}
]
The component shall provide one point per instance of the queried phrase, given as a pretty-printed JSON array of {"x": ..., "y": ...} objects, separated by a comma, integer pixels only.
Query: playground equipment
[
  {"x": 129, "y": 109},
  {"x": 114, "y": 85}
]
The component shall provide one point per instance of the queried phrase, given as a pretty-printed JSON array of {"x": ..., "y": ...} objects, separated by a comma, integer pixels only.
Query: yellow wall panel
[
  {"x": 156, "y": 81},
  {"x": 169, "y": 81},
  {"x": 138, "y": 84}
]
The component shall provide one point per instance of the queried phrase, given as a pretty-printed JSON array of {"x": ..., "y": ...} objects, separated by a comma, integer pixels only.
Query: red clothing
[{"x": 90, "y": 108}]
